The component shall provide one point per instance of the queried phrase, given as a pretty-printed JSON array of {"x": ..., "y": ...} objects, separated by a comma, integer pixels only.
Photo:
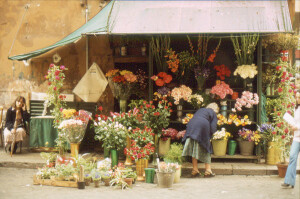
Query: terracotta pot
[
  {"x": 282, "y": 170},
  {"x": 106, "y": 181},
  {"x": 87, "y": 182},
  {"x": 128, "y": 181},
  {"x": 97, "y": 183}
]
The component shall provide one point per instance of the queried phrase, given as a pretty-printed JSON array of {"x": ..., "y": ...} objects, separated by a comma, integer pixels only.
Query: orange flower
[
  {"x": 159, "y": 82},
  {"x": 167, "y": 79}
]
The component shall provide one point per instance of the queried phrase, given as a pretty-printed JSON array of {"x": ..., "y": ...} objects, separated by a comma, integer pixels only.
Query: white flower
[{"x": 246, "y": 71}]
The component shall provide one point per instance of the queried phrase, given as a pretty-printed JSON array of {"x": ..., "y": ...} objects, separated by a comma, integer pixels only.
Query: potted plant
[
  {"x": 106, "y": 176},
  {"x": 129, "y": 175},
  {"x": 166, "y": 174},
  {"x": 118, "y": 179},
  {"x": 141, "y": 149},
  {"x": 247, "y": 140},
  {"x": 174, "y": 155},
  {"x": 219, "y": 142},
  {"x": 50, "y": 158}
]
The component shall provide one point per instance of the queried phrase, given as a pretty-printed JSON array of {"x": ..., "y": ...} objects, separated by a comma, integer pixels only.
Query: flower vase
[
  {"x": 246, "y": 147},
  {"x": 268, "y": 89},
  {"x": 123, "y": 105},
  {"x": 128, "y": 161},
  {"x": 273, "y": 154},
  {"x": 141, "y": 164},
  {"x": 247, "y": 83},
  {"x": 155, "y": 155},
  {"x": 74, "y": 149},
  {"x": 231, "y": 147},
  {"x": 223, "y": 108},
  {"x": 164, "y": 146},
  {"x": 200, "y": 83},
  {"x": 114, "y": 157},
  {"x": 179, "y": 113},
  {"x": 219, "y": 147}
]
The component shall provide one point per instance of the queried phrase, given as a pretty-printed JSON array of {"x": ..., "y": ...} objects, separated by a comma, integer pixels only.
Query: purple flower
[
  {"x": 201, "y": 72},
  {"x": 163, "y": 90}
]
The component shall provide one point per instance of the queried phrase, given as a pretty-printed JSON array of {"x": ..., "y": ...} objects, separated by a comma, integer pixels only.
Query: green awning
[{"x": 181, "y": 17}]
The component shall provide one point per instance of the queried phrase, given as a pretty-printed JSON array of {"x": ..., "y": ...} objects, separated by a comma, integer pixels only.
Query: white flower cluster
[
  {"x": 246, "y": 71},
  {"x": 219, "y": 134},
  {"x": 197, "y": 98},
  {"x": 71, "y": 122}
]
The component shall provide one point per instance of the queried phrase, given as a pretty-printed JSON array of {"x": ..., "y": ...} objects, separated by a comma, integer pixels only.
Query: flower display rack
[{"x": 56, "y": 183}]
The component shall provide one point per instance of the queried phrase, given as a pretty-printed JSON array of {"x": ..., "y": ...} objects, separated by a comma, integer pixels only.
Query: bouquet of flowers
[
  {"x": 167, "y": 167},
  {"x": 267, "y": 132},
  {"x": 248, "y": 99},
  {"x": 136, "y": 152},
  {"x": 221, "y": 90},
  {"x": 169, "y": 133},
  {"x": 246, "y": 71},
  {"x": 112, "y": 133},
  {"x": 121, "y": 82},
  {"x": 221, "y": 135},
  {"x": 248, "y": 135},
  {"x": 142, "y": 136},
  {"x": 196, "y": 100},
  {"x": 222, "y": 71},
  {"x": 161, "y": 79},
  {"x": 183, "y": 92},
  {"x": 74, "y": 129},
  {"x": 238, "y": 120}
]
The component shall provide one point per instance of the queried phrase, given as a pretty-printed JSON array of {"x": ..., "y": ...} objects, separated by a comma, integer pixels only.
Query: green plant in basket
[{"x": 174, "y": 154}]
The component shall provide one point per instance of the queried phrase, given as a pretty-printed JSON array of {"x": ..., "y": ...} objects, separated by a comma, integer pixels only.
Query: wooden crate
[{"x": 50, "y": 182}]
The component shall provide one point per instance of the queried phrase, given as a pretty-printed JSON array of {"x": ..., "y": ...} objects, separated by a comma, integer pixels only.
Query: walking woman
[
  {"x": 197, "y": 138},
  {"x": 290, "y": 176},
  {"x": 17, "y": 112}
]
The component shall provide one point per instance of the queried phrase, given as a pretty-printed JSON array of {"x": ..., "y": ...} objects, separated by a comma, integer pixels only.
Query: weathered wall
[{"x": 44, "y": 23}]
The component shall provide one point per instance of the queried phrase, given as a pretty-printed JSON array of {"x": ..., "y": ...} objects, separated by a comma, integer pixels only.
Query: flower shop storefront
[{"x": 164, "y": 72}]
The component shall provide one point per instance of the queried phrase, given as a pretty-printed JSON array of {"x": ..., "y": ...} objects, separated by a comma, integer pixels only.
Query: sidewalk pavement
[{"x": 32, "y": 160}]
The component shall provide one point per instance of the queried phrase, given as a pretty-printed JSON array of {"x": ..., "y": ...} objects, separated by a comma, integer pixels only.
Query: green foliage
[
  {"x": 244, "y": 48},
  {"x": 159, "y": 45},
  {"x": 174, "y": 154},
  {"x": 49, "y": 157}
]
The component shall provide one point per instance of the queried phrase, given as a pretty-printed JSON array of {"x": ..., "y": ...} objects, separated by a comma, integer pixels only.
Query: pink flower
[
  {"x": 247, "y": 99},
  {"x": 51, "y": 65},
  {"x": 62, "y": 67},
  {"x": 221, "y": 90},
  {"x": 57, "y": 77}
]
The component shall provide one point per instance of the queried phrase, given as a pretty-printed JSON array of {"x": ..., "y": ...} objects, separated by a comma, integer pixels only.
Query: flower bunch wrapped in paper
[
  {"x": 196, "y": 100},
  {"x": 221, "y": 90},
  {"x": 248, "y": 99},
  {"x": 183, "y": 92},
  {"x": 121, "y": 82},
  {"x": 167, "y": 167},
  {"x": 73, "y": 130},
  {"x": 246, "y": 71},
  {"x": 249, "y": 135},
  {"x": 221, "y": 135}
]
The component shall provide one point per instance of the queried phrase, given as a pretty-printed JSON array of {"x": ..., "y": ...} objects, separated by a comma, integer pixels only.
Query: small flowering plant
[
  {"x": 142, "y": 136},
  {"x": 167, "y": 167},
  {"x": 196, "y": 100},
  {"x": 246, "y": 71},
  {"x": 221, "y": 135},
  {"x": 221, "y": 90},
  {"x": 181, "y": 93},
  {"x": 169, "y": 133},
  {"x": 112, "y": 133},
  {"x": 248, "y": 99},
  {"x": 249, "y": 135},
  {"x": 122, "y": 82}
]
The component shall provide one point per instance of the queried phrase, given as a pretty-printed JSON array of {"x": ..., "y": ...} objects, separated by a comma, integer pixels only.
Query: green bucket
[
  {"x": 231, "y": 147},
  {"x": 149, "y": 173}
]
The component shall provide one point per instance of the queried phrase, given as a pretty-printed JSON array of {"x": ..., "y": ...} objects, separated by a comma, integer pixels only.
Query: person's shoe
[
  {"x": 15, "y": 148},
  {"x": 286, "y": 186},
  {"x": 194, "y": 174},
  {"x": 209, "y": 174}
]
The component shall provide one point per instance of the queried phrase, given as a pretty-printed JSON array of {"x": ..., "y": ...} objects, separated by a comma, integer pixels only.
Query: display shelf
[
  {"x": 272, "y": 96},
  {"x": 131, "y": 59}
]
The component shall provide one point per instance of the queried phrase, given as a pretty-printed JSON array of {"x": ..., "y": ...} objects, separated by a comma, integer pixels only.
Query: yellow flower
[{"x": 123, "y": 72}]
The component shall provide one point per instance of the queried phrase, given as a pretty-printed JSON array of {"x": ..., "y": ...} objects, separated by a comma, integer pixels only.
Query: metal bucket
[{"x": 165, "y": 180}]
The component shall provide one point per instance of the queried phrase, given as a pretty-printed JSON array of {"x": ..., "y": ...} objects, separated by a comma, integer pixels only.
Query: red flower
[
  {"x": 212, "y": 57},
  {"x": 100, "y": 108},
  {"x": 156, "y": 114},
  {"x": 57, "y": 72},
  {"x": 286, "y": 130},
  {"x": 283, "y": 136},
  {"x": 278, "y": 68},
  {"x": 274, "y": 133},
  {"x": 162, "y": 74},
  {"x": 167, "y": 79},
  {"x": 279, "y": 89},
  {"x": 159, "y": 82}
]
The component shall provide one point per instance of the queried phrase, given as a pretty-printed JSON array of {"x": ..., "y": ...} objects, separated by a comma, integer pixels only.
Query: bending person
[
  {"x": 19, "y": 106},
  {"x": 197, "y": 138}
]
